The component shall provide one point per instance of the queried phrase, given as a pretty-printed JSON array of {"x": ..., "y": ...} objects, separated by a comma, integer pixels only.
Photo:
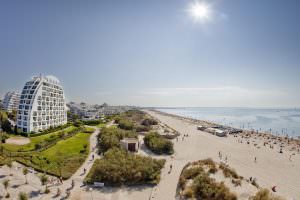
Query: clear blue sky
[{"x": 153, "y": 53}]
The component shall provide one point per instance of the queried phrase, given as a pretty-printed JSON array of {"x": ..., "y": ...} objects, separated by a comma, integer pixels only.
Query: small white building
[{"x": 130, "y": 144}]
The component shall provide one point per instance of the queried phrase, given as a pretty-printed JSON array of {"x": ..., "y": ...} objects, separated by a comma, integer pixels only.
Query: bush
[
  {"x": 228, "y": 172},
  {"x": 92, "y": 122},
  {"x": 149, "y": 122},
  {"x": 142, "y": 128},
  {"x": 207, "y": 189},
  {"x": 88, "y": 130},
  {"x": 119, "y": 167},
  {"x": 126, "y": 124},
  {"x": 158, "y": 144},
  {"x": 22, "y": 196},
  {"x": 264, "y": 194}
]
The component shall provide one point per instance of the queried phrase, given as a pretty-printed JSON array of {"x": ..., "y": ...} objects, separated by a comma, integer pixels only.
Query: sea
[{"x": 277, "y": 121}]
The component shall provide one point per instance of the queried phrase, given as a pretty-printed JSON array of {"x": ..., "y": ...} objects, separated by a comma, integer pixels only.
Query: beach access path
[{"x": 271, "y": 169}]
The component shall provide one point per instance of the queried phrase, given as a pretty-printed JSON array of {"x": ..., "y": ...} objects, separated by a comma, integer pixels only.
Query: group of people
[
  {"x": 185, "y": 135},
  {"x": 221, "y": 156}
]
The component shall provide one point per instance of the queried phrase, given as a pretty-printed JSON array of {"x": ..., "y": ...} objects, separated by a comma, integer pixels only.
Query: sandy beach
[{"x": 270, "y": 169}]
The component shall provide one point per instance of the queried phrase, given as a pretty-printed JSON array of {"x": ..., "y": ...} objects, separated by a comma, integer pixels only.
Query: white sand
[{"x": 272, "y": 168}]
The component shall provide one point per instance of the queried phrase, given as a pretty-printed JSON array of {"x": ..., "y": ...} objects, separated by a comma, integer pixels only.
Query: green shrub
[
  {"x": 149, "y": 122},
  {"x": 188, "y": 193},
  {"x": 126, "y": 124},
  {"x": 228, "y": 172},
  {"x": 88, "y": 130},
  {"x": 264, "y": 194},
  {"x": 192, "y": 172},
  {"x": 92, "y": 122},
  {"x": 119, "y": 167},
  {"x": 158, "y": 144},
  {"x": 22, "y": 196},
  {"x": 206, "y": 188}
]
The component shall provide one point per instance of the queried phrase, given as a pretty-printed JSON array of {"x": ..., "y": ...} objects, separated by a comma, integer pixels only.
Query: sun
[{"x": 200, "y": 11}]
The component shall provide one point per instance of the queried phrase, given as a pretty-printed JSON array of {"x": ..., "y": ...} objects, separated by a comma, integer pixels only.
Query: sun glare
[{"x": 200, "y": 11}]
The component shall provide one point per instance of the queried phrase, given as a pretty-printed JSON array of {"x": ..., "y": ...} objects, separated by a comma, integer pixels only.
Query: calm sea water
[{"x": 276, "y": 121}]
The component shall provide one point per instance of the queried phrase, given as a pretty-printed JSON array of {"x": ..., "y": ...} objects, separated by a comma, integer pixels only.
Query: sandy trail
[{"x": 17, "y": 140}]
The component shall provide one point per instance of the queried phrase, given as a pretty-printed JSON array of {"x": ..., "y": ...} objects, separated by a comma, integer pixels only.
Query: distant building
[
  {"x": 11, "y": 101},
  {"x": 42, "y": 105},
  {"x": 90, "y": 112}
]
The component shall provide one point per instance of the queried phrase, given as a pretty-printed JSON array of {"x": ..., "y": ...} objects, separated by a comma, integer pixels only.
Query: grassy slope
[
  {"x": 68, "y": 152},
  {"x": 34, "y": 140},
  {"x": 65, "y": 153}
]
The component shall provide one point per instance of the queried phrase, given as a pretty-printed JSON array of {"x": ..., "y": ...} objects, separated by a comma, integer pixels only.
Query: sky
[{"x": 227, "y": 53}]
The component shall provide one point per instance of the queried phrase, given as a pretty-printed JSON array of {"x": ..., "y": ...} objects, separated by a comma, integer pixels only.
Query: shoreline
[
  {"x": 255, "y": 159},
  {"x": 293, "y": 144}
]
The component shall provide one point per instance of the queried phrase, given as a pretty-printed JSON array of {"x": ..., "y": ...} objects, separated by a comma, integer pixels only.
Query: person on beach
[
  {"x": 170, "y": 169},
  {"x": 255, "y": 160}
]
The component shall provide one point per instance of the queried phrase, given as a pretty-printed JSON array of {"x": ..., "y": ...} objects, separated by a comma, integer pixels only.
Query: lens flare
[{"x": 200, "y": 11}]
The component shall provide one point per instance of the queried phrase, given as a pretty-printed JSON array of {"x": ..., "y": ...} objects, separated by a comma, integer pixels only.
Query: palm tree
[
  {"x": 6, "y": 184},
  {"x": 25, "y": 172},
  {"x": 9, "y": 164},
  {"x": 23, "y": 196},
  {"x": 44, "y": 181}
]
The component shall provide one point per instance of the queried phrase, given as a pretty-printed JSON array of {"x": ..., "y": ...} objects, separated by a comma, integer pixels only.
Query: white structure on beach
[
  {"x": 42, "y": 105},
  {"x": 130, "y": 144},
  {"x": 11, "y": 101}
]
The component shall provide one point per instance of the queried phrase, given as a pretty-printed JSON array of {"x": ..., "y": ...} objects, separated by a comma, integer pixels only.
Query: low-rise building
[{"x": 130, "y": 144}]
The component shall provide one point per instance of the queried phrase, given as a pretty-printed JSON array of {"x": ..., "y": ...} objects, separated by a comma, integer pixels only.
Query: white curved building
[
  {"x": 11, "y": 101},
  {"x": 42, "y": 105}
]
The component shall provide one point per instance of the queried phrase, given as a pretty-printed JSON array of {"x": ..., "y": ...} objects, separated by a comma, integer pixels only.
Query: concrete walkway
[{"x": 79, "y": 175}]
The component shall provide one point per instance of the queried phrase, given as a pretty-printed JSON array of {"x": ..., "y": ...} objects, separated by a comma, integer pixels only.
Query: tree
[
  {"x": 6, "y": 184},
  {"x": 6, "y": 126},
  {"x": 9, "y": 164},
  {"x": 25, "y": 172},
  {"x": 44, "y": 181},
  {"x": 23, "y": 196}
]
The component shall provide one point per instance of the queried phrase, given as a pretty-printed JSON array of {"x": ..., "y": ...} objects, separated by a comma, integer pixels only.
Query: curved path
[{"x": 78, "y": 176}]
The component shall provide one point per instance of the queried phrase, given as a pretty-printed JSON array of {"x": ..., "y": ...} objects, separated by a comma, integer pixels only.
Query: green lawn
[
  {"x": 89, "y": 129},
  {"x": 71, "y": 153},
  {"x": 101, "y": 125},
  {"x": 35, "y": 140},
  {"x": 63, "y": 159}
]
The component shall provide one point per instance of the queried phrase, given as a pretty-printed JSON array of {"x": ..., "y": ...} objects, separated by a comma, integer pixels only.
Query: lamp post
[{"x": 91, "y": 190}]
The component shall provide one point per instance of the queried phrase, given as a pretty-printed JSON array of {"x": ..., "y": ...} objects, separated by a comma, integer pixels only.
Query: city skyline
[{"x": 154, "y": 53}]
